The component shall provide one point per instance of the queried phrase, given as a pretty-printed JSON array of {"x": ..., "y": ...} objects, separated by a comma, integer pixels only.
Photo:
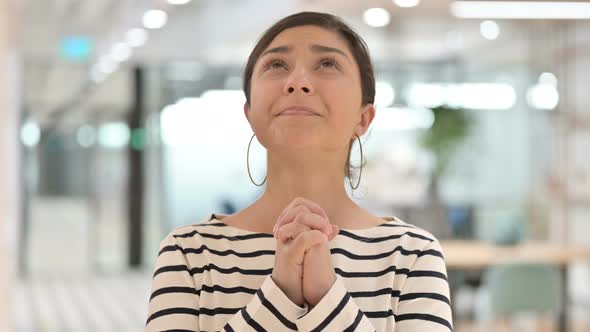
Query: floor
[{"x": 108, "y": 303}]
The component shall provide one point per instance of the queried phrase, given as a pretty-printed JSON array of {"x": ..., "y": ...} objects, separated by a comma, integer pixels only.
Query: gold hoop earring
[
  {"x": 361, "y": 170},
  {"x": 248, "y": 164}
]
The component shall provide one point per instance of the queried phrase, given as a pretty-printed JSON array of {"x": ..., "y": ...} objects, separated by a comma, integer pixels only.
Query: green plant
[{"x": 451, "y": 126}]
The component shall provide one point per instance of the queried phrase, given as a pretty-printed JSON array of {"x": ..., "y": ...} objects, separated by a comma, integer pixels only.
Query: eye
[
  {"x": 328, "y": 63},
  {"x": 274, "y": 64}
]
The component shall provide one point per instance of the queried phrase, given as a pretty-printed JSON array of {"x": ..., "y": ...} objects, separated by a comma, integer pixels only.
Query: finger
[
  {"x": 311, "y": 205},
  {"x": 289, "y": 215},
  {"x": 314, "y": 221},
  {"x": 311, "y": 220},
  {"x": 306, "y": 240},
  {"x": 290, "y": 231},
  {"x": 335, "y": 231},
  {"x": 289, "y": 206}
]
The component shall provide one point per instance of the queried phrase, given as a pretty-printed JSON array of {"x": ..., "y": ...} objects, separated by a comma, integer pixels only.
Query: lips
[{"x": 298, "y": 110}]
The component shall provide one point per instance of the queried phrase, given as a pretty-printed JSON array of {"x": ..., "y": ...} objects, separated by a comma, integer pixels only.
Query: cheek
[
  {"x": 342, "y": 101},
  {"x": 262, "y": 95},
  {"x": 341, "y": 91},
  {"x": 262, "y": 99}
]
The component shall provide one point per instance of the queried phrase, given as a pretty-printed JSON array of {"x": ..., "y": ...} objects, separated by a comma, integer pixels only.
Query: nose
[
  {"x": 298, "y": 82},
  {"x": 292, "y": 89}
]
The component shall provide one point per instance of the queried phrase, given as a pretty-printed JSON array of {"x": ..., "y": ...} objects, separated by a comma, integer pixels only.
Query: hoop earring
[
  {"x": 361, "y": 170},
  {"x": 248, "y": 164}
]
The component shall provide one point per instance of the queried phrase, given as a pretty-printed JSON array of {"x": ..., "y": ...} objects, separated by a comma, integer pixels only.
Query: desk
[{"x": 478, "y": 255}]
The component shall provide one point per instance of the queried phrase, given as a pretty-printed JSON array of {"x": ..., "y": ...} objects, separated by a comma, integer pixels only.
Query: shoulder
[
  {"x": 191, "y": 233},
  {"x": 429, "y": 255},
  {"x": 415, "y": 229},
  {"x": 412, "y": 236},
  {"x": 397, "y": 225}
]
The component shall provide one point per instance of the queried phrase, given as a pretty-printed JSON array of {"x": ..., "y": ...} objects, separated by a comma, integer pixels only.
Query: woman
[{"x": 303, "y": 256}]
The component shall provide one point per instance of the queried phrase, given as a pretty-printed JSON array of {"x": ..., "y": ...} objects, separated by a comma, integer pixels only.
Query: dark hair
[{"x": 356, "y": 44}]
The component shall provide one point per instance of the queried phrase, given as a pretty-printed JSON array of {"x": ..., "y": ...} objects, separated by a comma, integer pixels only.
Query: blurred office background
[{"x": 122, "y": 119}]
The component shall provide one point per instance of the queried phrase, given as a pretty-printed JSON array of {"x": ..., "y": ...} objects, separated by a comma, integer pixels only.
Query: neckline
[{"x": 215, "y": 217}]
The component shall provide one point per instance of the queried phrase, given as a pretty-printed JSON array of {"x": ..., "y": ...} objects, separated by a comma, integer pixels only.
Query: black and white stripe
[{"x": 212, "y": 264}]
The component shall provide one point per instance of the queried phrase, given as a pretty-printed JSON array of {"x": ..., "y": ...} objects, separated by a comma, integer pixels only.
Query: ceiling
[{"x": 221, "y": 32}]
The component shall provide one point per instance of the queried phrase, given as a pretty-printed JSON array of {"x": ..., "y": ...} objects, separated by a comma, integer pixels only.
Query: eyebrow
[
  {"x": 314, "y": 48},
  {"x": 327, "y": 49}
]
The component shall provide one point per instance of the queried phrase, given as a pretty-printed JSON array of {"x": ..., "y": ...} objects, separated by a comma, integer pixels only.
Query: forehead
[{"x": 302, "y": 36}]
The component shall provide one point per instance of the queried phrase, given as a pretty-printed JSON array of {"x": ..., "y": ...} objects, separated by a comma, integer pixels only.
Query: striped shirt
[{"x": 212, "y": 277}]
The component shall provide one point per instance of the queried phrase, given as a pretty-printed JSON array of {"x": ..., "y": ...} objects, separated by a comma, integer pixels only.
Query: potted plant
[{"x": 450, "y": 128}]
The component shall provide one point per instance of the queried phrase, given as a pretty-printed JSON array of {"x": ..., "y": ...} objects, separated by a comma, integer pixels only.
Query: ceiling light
[
  {"x": 114, "y": 135},
  {"x": 407, "y": 3},
  {"x": 178, "y": 2},
  {"x": 154, "y": 19},
  {"x": 548, "y": 78},
  {"x": 120, "y": 52},
  {"x": 489, "y": 30},
  {"x": 482, "y": 96},
  {"x": 107, "y": 65},
  {"x": 376, "y": 17},
  {"x": 403, "y": 118},
  {"x": 136, "y": 37},
  {"x": 543, "y": 96},
  {"x": 30, "y": 134},
  {"x": 521, "y": 9}
]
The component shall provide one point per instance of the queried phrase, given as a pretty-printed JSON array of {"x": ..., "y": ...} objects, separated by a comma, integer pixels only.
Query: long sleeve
[
  {"x": 174, "y": 301},
  {"x": 176, "y": 296},
  {"x": 269, "y": 310},
  {"x": 213, "y": 277},
  {"x": 424, "y": 300},
  {"x": 336, "y": 311}
]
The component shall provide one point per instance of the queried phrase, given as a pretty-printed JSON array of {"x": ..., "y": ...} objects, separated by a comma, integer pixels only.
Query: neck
[{"x": 311, "y": 175}]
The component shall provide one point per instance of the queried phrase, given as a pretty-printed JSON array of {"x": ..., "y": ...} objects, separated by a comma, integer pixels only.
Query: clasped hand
[{"x": 303, "y": 267}]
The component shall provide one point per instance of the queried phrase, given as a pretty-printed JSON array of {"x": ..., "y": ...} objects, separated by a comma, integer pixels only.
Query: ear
[
  {"x": 247, "y": 111},
  {"x": 367, "y": 116}
]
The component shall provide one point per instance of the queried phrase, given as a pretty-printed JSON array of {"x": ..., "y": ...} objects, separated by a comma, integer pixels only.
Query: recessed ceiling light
[
  {"x": 376, "y": 17},
  {"x": 178, "y": 2},
  {"x": 107, "y": 65},
  {"x": 489, "y": 30},
  {"x": 154, "y": 19},
  {"x": 407, "y": 3},
  {"x": 543, "y": 96},
  {"x": 136, "y": 37},
  {"x": 548, "y": 78},
  {"x": 521, "y": 9},
  {"x": 120, "y": 52}
]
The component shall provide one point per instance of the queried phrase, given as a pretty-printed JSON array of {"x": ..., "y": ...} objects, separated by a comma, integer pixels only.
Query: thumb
[{"x": 335, "y": 231}]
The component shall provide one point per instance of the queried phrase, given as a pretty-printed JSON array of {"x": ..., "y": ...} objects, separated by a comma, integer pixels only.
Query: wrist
[{"x": 293, "y": 297}]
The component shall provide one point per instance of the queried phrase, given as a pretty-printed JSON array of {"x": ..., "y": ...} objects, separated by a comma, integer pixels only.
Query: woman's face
[{"x": 306, "y": 92}]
